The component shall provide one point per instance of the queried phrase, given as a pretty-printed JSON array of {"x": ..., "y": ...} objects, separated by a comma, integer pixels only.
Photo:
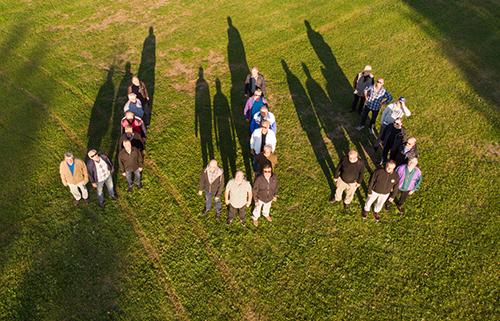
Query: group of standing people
[
  {"x": 239, "y": 193},
  {"x": 399, "y": 173},
  {"x": 99, "y": 169}
]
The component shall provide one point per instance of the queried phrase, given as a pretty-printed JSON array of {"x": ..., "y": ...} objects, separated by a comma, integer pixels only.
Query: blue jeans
[
  {"x": 208, "y": 203},
  {"x": 128, "y": 176},
  {"x": 109, "y": 185}
]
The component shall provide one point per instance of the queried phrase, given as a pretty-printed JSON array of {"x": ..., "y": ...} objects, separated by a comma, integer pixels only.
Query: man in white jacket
[{"x": 262, "y": 136}]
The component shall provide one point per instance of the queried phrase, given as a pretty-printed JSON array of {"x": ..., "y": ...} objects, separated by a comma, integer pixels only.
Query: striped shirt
[{"x": 377, "y": 98}]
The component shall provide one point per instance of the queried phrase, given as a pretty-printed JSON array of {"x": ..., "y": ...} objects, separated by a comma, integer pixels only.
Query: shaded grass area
[{"x": 314, "y": 261}]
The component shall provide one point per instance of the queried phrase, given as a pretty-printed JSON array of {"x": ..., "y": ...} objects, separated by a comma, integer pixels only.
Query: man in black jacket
[
  {"x": 348, "y": 176},
  {"x": 100, "y": 169},
  {"x": 393, "y": 138},
  {"x": 384, "y": 183},
  {"x": 131, "y": 162},
  {"x": 212, "y": 183},
  {"x": 406, "y": 151}
]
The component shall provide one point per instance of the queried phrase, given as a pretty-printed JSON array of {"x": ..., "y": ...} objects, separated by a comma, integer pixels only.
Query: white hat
[{"x": 368, "y": 68}]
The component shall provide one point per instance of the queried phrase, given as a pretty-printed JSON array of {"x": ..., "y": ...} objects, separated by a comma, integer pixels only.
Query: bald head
[{"x": 353, "y": 156}]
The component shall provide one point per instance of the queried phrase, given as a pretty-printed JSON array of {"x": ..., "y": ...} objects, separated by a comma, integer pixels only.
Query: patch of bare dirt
[{"x": 119, "y": 16}]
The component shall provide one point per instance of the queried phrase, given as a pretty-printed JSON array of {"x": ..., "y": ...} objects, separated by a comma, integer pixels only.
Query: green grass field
[{"x": 64, "y": 69}]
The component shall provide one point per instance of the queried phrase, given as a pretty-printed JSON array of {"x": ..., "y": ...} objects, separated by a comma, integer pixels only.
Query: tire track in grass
[
  {"x": 138, "y": 230},
  {"x": 152, "y": 253}
]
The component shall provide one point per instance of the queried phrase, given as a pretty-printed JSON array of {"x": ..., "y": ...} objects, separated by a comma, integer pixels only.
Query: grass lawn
[{"x": 64, "y": 69}]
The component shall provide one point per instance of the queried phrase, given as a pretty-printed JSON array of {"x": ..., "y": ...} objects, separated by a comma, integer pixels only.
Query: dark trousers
[
  {"x": 359, "y": 102},
  {"x": 146, "y": 106},
  {"x": 233, "y": 211},
  {"x": 403, "y": 195},
  {"x": 364, "y": 115}
]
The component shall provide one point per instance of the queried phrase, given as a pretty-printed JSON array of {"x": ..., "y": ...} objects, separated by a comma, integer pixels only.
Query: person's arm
[
  {"x": 418, "y": 183},
  {"x": 247, "y": 85},
  {"x": 201, "y": 186},
  {"x": 129, "y": 89},
  {"x": 248, "y": 107},
  {"x": 84, "y": 173},
  {"x": 226, "y": 194},
  {"x": 249, "y": 195},
  {"x": 406, "y": 111},
  {"x": 263, "y": 86},
  {"x": 221, "y": 186},
  {"x": 91, "y": 171},
  {"x": 110, "y": 164},
  {"x": 372, "y": 182},
  {"x": 121, "y": 164},
  {"x": 252, "y": 142},
  {"x": 63, "y": 177},
  {"x": 361, "y": 172},
  {"x": 338, "y": 169},
  {"x": 143, "y": 129},
  {"x": 385, "y": 113},
  {"x": 255, "y": 189},
  {"x": 355, "y": 82},
  {"x": 126, "y": 106},
  {"x": 138, "y": 103},
  {"x": 140, "y": 160},
  {"x": 387, "y": 98},
  {"x": 146, "y": 95}
]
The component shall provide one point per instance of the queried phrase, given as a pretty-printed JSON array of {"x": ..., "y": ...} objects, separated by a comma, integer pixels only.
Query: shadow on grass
[
  {"x": 238, "y": 68},
  {"x": 310, "y": 124},
  {"x": 102, "y": 112},
  {"x": 203, "y": 117},
  {"x": 147, "y": 68},
  {"x": 224, "y": 134},
  {"x": 469, "y": 34}
]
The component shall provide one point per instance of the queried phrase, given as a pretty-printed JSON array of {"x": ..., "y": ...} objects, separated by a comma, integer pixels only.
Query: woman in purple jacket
[{"x": 410, "y": 178}]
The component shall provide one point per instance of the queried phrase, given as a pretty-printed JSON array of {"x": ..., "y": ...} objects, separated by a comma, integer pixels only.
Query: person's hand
[
  {"x": 411, "y": 192},
  {"x": 335, "y": 180},
  {"x": 252, "y": 152},
  {"x": 124, "y": 174},
  {"x": 217, "y": 198},
  {"x": 200, "y": 193},
  {"x": 140, "y": 169},
  {"x": 226, "y": 201},
  {"x": 94, "y": 185},
  {"x": 357, "y": 184},
  {"x": 65, "y": 184},
  {"x": 275, "y": 198},
  {"x": 248, "y": 204},
  {"x": 391, "y": 199}
]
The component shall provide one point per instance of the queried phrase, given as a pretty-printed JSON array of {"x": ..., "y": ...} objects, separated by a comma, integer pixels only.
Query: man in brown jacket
[
  {"x": 74, "y": 175},
  {"x": 212, "y": 183},
  {"x": 130, "y": 162},
  {"x": 265, "y": 189}
]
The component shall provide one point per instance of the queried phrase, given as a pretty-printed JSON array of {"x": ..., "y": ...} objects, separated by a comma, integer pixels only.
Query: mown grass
[{"x": 151, "y": 256}]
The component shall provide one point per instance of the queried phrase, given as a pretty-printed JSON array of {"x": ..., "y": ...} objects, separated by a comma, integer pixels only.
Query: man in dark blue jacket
[{"x": 100, "y": 169}]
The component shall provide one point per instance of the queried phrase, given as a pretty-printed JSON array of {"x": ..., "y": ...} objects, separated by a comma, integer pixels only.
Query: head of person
[
  {"x": 258, "y": 92},
  {"x": 212, "y": 165},
  {"x": 268, "y": 150},
  {"x": 401, "y": 101},
  {"x": 128, "y": 130},
  {"x": 390, "y": 166},
  {"x": 398, "y": 123},
  {"x": 93, "y": 155},
  {"x": 129, "y": 115},
  {"x": 367, "y": 70},
  {"x": 264, "y": 126},
  {"x": 255, "y": 72},
  {"x": 412, "y": 163},
  {"x": 136, "y": 81},
  {"x": 412, "y": 141},
  {"x": 127, "y": 145},
  {"x": 267, "y": 171},
  {"x": 353, "y": 156},
  {"x": 132, "y": 97},
  {"x": 263, "y": 111},
  {"x": 68, "y": 157},
  {"x": 380, "y": 82},
  {"x": 238, "y": 177}
]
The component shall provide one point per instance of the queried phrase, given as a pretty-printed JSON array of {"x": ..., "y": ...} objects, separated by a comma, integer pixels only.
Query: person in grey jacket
[
  {"x": 361, "y": 83},
  {"x": 253, "y": 81},
  {"x": 212, "y": 183}
]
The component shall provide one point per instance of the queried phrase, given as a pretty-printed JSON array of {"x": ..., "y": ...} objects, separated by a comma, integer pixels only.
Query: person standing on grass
[
  {"x": 383, "y": 183},
  {"x": 100, "y": 169},
  {"x": 131, "y": 163},
  {"x": 74, "y": 175},
  {"x": 212, "y": 183},
  {"x": 261, "y": 137},
  {"x": 376, "y": 97},
  {"x": 135, "y": 139},
  {"x": 362, "y": 82},
  {"x": 348, "y": 177},
  {"x": 267, "y": 157},
  {"x": 138, "y": 88},
  {"x": 265, "y": 191},
  {"x": 134, "y": 105},
  {"x": 253, "y": 81},
  {"x": 393, "y": 138},
  {"x": 238, "y": 197},
  {"x": 392, "y": 112},
  {"x": 406, "y": 151},
  {"x": 253, "y": 104},
  {"x": 258, "y": 118},
  {"x": 410, "y": 178},
  {"x": 137, "y": 124}
]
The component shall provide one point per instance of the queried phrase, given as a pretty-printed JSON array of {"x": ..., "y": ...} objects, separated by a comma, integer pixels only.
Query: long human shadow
[
  {"x": 310, "y": 124},
  {"x": 469, "y": 34},
  {"x": 224, "y": 138},
  {"x": 238, "y": 68},
  {"x": 147, "y": 68},
  {"x": 102, "y": 111},
  {"x": 203, "y": 117}
]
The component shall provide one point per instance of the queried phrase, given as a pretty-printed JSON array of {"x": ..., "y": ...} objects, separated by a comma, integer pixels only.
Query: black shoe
[
  {"x": 387, "y": 206},
  {"x": 114, "y": 198},
  {"x": 76, "y": 202},
  {"x": 86, "y": 201},
  {"x": 364, "y": 214},
  {"x": 400, "y": 209},
  {"x": 101, "y": 205},
  {"x": 376, "y": 216},
  {"x": 129, "y": 189},
  {"x": 347, "y": 207},
  {"x": 139, "y": 186}
]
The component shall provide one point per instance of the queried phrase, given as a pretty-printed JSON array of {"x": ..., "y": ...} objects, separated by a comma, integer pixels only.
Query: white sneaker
[{"x": 360, "y": 127}]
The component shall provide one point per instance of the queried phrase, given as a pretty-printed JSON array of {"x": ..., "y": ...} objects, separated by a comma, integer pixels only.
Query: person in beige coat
[{"x": 74, "y": 175}]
